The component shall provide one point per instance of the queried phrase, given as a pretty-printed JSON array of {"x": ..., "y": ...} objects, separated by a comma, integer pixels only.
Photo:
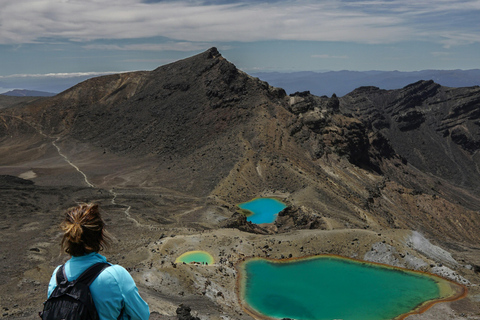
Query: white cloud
[
  {"x": 456, "y": 39},
  {"x": 59, "y": 75},
  {"x": 190, "y": 22}
]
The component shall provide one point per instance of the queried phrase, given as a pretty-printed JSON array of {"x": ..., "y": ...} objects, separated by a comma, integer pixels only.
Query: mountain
[
  {"x": 435, "y": 128},
  {"x": 382, "y": 175},
  {"x": 9, "y": 101},
  {"x": 27, "y": 93},
  {"x": 343, "y": 82}
]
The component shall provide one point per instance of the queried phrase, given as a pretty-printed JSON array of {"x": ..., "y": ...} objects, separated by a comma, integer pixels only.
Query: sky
[{"x": 54, "y": 40}]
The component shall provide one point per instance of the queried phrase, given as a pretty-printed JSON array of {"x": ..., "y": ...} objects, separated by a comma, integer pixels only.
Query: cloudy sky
[{"x": 61, "y": 38}]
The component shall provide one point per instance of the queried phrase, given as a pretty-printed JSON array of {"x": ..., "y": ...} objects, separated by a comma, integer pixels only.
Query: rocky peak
[{"x": 212, "y": 53}]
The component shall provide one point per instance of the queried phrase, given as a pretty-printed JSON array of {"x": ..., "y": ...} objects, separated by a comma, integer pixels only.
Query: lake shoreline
[{"x": 448, "y": 290}]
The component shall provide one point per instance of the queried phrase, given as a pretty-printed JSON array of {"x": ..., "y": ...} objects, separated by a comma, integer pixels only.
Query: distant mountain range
[
  {"x": 318, "y": 83},
  {"x": 28, "y": 93},
  {"x": 343, "y": 82}
]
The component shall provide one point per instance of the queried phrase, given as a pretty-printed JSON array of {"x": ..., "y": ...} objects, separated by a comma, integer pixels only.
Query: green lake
[
  {"x": 197, "y": 256},
  {"x": 331, "y": 287},
  {"x": 263, "y": 210}
]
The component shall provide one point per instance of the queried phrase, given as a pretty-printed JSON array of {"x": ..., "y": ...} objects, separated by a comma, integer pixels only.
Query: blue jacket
[{"x": 111, "y": 291}]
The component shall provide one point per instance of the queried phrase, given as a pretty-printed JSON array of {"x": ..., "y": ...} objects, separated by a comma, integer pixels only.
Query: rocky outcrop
[
  {"x": 184, "y": 313},
  {"x": 239, "y": 221},
  {"x": 409, "y": 120},
  {"x": 323, "y": 129},
  {"x": 463, "y": 137},
  {"x": 294, "y": 217},
  {"x": 290, "y": 218}
]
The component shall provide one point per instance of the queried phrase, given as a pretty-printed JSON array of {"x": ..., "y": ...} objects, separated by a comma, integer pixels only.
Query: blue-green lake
[
  {"x": 264, "y": 210},
  {"x": 197, "y": 256},
  {"x": 331, "y": 287}
]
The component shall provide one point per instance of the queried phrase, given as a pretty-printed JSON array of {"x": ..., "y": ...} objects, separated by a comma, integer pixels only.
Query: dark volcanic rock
[
  {"x": 409, "y": 120},
  {"x": 333, "y": 103},
  {"x": 464, "y": 138},
  {"x": 434, "y": 128},
  {"x": 184, "y": 313}
]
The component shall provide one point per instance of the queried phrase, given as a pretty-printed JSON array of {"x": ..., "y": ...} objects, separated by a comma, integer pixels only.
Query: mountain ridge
[{"x": 425, "y": 113}]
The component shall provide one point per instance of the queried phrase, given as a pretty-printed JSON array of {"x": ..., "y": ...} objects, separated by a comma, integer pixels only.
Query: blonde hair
[{"x": 84, "y": 230}]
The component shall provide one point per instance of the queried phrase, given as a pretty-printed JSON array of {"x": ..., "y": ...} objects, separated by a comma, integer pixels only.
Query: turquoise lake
[
  {"x": 264, "y": 210},
  {"x": 197, "y": 256},
  {"x": 329, "y": 287}
]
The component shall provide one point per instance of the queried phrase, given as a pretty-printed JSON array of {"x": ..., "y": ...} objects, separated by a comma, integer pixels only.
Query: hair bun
[
  {"x": 72, "y": 230},
  {"x": 76, "y": 232},
  {"x": 83, "y": 230}
]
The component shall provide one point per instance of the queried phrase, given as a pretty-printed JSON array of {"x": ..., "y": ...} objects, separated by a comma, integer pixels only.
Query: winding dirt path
[
  {"x": 126, "y": 211},
  {"x": 72, "y": 164}
]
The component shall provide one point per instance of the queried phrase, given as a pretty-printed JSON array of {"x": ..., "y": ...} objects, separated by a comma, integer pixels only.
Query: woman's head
[{"x": 84, "y": 231}]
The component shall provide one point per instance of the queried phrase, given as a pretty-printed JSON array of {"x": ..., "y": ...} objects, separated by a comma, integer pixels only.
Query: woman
[{"x": 114, "y": 291}]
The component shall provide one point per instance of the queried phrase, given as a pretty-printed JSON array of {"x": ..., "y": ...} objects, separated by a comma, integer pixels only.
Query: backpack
[{"x": 72, "y": 300}]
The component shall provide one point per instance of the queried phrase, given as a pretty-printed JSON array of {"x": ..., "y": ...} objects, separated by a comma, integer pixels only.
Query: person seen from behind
[{"x": 113, "y": 291}]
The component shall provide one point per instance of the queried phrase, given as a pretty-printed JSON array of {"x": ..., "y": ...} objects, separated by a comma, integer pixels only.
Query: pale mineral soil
[{"x": 218, "y": 282}]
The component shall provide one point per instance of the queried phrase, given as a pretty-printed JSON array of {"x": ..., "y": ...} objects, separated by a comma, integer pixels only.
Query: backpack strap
[
  {"x": 89, "y": 275},
  {"x": 61, "y": 275}
]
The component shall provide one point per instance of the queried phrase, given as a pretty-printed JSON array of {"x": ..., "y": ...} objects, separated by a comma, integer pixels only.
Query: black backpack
[{"x": 72, "y": 300}]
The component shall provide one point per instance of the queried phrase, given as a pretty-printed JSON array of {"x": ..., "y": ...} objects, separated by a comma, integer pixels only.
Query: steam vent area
[{"x": 227, "y": 198}]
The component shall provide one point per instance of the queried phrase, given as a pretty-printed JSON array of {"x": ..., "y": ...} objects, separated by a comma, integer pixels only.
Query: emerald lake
[
  {"x": 263, "y": 210},
  {"x": 331, "y": 287},
  {"x": 197, "y": 256}
]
